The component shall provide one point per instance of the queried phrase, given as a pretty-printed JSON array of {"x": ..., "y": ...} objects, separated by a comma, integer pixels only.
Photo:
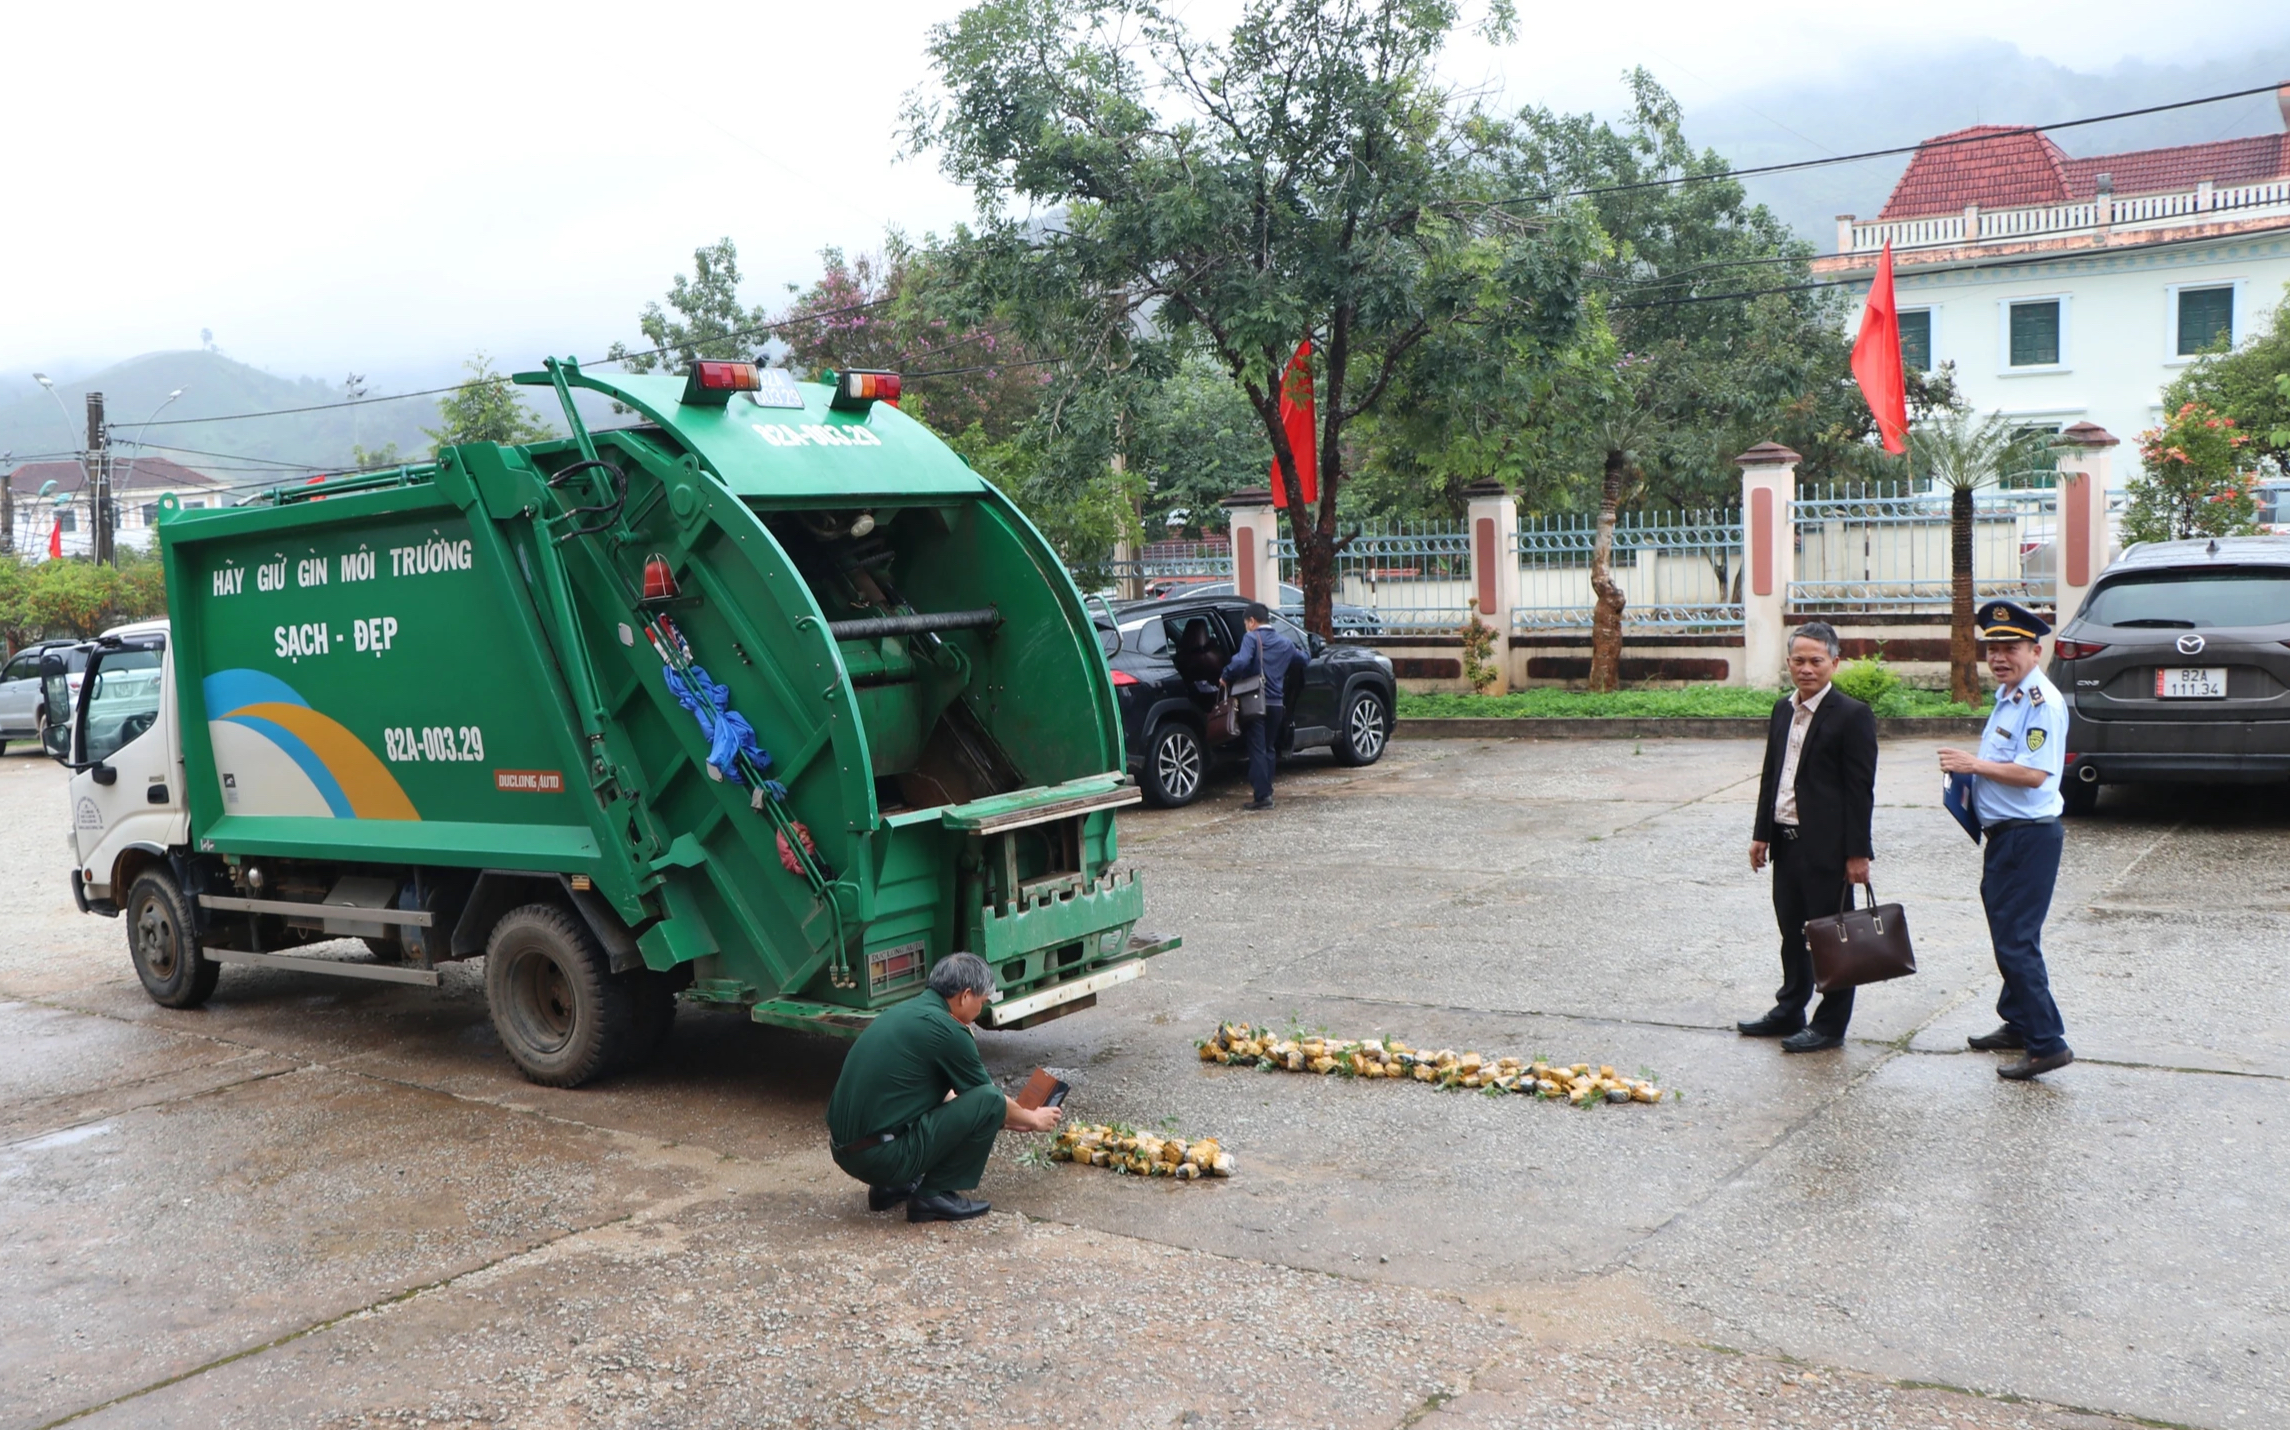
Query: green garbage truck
[{"x": 762, "y": 698}]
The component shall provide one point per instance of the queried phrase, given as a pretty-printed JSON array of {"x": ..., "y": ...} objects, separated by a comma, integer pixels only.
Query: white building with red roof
[
  {"x": 51, "y": 498},
  {"x": 2070, "y": 290}
]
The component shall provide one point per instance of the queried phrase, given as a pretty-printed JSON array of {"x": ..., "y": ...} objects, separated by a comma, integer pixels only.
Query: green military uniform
[{"x": 895, "y": 1080}]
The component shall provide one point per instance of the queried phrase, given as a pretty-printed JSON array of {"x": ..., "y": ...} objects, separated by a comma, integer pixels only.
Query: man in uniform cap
[{"x": 2015, "y": 794}]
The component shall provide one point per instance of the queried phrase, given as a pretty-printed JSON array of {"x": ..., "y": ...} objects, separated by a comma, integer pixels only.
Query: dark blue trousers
[
  {"x": 2016, "y": 879},
  {"x": 1264, "y": 750}
]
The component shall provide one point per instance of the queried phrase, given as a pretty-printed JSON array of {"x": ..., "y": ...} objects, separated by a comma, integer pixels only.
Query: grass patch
[{"x": 1694, "y": 701}]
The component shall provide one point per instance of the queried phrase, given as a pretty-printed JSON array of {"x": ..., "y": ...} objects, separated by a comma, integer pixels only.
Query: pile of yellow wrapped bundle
[
  {"x": 1141, "y": 1154},
  {"x": 1246, "y": 1045}
]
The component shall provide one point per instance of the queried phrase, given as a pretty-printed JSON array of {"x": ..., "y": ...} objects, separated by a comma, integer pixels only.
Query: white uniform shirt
[
  {"x": 2028, "y": 727},
  {"x": 1785, "y": 788}
]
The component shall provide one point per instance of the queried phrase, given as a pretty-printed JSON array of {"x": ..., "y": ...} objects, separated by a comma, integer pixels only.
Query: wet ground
[{"x": 322, "y": 1203}]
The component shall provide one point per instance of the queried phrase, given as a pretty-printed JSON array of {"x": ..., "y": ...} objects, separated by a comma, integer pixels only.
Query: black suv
[
  {"x": 2178, "y": 667},
  {"x": 1166, "y": 657}
]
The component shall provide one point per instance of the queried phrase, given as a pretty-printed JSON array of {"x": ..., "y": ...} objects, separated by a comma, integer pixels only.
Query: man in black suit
[{"x": 1813, "y": 810}]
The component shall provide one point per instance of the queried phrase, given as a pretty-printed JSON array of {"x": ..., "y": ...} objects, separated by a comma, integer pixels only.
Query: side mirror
[
  {"x": 1316, "y": 642},
  {"x": 57, "y": 741},
  {"x": 104, "y": 774}
]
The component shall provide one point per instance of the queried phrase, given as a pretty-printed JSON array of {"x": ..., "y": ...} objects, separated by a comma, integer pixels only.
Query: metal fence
[
  {"x": 1395, "y": 577},
  {"x": 1162, "y": 567},
  {"x": 1679, "y": 570},
  {"x": 1887, "y": 549}
]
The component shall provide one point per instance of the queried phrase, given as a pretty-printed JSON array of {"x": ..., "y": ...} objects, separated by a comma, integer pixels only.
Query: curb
[{"x": 1714, "y": 727}]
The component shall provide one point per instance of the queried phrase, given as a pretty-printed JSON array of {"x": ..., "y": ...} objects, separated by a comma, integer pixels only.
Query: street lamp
[{"x": 44, "y": 381}]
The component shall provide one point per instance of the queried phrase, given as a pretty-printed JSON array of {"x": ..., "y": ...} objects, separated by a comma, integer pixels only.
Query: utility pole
[
  {"x": 7, "y": 504},
  {"x": 99, "y": 477}
]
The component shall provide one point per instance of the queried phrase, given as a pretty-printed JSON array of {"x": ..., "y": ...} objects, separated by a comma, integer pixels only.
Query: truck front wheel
[
  {"x": 556, "y": 1006},
  {"x": 165, "y": 946}
]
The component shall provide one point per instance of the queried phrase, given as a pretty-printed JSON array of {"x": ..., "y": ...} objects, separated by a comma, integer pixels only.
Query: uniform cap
[{"x": 2010, "y": 621}]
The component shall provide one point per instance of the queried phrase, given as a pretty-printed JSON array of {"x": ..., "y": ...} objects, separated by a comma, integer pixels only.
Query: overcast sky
[{"x": 388, "y": 187}]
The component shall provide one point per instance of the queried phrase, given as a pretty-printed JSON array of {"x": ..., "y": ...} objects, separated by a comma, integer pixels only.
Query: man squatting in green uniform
[{"x": 914, "y": 1113}]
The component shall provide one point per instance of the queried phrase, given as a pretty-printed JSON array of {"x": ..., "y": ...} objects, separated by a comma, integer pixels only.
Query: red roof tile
[{"x": 1995, "y": 166}]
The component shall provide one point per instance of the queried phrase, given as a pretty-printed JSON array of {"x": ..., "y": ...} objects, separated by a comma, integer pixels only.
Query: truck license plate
[{"x": 2190, "y": 682}]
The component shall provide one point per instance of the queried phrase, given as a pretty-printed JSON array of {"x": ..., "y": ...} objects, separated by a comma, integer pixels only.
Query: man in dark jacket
[
  {"x": 1263, "y": 651},
  {"x": 1814, "y": 806}
]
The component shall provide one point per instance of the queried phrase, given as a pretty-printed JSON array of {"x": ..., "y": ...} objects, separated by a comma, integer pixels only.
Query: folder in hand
[{"x": 1956, "y": 795}]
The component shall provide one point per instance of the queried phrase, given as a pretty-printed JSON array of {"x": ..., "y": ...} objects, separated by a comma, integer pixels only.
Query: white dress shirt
[{"x": 1785, "y": 788}]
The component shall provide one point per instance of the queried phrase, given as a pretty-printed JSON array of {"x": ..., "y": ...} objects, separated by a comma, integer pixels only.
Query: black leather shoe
[
  {"x": 2003, "y": 1039},
  {"x": 1772, "y": 1025},
  {"x": 1812, "y": 1040},
  {"x": 882, "y": 1199},
  {"x": 2027, "y": 1068},
  {"x": 1257, "y": 806},
  {"x": 943, "y": 1206}
]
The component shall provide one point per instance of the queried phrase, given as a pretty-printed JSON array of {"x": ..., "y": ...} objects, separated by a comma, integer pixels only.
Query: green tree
[
  {"x": 1964, "y": 453},
  {"x": 2250, "y": 385},
  {"x": 1694, "y": 355},
  {"x": 1303, "y": 175},
  {"x": 2199, "y": 469},
  {"x": 897, "y": 311},
  {"x": 709, "y": 321},
  {"x": 486, "y": 408}
]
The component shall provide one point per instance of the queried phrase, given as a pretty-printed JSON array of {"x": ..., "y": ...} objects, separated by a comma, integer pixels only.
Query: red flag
[
  {"x": 1296, "y": 418},
  {"x": 56, "y": 540},
  {"x": 1876, "y": 360}
]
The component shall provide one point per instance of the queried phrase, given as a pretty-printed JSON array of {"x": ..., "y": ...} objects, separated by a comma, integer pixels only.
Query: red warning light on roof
[
  {"x": 712, "y": 381},
  {"x": 857, "y": 391}
]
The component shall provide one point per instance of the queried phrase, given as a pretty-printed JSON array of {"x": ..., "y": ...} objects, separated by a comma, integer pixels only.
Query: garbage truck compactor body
[{"x": 764, "y": 700}]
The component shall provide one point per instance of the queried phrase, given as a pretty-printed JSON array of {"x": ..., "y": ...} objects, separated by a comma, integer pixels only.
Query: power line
[
  {"x": 1799, "y": 164},
  {"x": 503, "y": 377}
]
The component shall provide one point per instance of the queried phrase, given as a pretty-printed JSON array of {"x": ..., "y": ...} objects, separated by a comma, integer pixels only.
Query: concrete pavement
[{"x": 324, "y": 1203}]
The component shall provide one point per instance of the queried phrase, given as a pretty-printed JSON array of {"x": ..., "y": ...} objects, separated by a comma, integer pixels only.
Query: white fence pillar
[
  {"x": 2080, "y": 552},
  {"x": 1494, "y": 524},
  {"x": 1255, "y": 527},
  {"x": 1769, "y": 560}
]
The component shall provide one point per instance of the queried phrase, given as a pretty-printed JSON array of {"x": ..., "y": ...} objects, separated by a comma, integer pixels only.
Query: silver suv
[{"x": 2178, "y": 667}]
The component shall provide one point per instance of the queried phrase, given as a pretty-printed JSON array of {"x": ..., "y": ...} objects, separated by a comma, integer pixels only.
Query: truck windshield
[
  {"x": 121, "y": 701},
  {"x": 2187, "y": 599}
]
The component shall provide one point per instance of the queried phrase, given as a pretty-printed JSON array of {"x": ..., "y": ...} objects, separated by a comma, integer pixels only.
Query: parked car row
[{"x": 23, "y": 711}]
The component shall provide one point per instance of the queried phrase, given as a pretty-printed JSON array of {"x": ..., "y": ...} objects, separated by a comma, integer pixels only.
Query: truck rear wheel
[
  {"x": 556, "y": 1005},
  {"x": 165, "y": 945}
]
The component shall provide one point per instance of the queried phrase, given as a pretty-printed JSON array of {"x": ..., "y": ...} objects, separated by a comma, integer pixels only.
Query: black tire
[
  {"x": 652, "y": 1005},
  {"x": 557, "y": 1008},
  {"x": 2082, "y": 799},
  {"x": 385, "y": 949},
  {"x": 1364, "y": 729},
  {"x": 164, "y": 944},
  {"x": 1176, "y": 765}
]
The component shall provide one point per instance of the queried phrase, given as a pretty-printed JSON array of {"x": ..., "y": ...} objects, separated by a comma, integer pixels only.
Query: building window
[
  {"x": 2035, "y": 334},
  {"x": 69, "y": 520},
  {"x": 194, "y": 503},
  {"x": 151, "y": 513},
  {"x": 1916, "y": 339},
  {"x": 2206, "y": 320}
]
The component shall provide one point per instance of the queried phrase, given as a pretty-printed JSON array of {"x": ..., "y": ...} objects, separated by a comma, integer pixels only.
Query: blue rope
[{"x": 733, "y": 753}]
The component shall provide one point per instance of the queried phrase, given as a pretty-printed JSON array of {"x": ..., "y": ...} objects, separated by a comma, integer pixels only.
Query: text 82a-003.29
[{"x": 402, "y": 743}]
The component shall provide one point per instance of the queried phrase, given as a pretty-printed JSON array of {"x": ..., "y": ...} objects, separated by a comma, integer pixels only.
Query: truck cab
[{"x": 121, "y": 740}]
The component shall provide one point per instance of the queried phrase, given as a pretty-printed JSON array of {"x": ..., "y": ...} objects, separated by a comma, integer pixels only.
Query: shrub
[{"x": 1868, "y": 680}]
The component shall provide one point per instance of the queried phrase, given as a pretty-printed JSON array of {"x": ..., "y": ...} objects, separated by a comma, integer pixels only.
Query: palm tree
[{"x": 1964, "y": 452}]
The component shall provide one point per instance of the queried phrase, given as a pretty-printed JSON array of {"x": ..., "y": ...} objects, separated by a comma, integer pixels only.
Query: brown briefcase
[
  {"x": 1224, "y": 721},
  {"x": 1856, "y": 946}
]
